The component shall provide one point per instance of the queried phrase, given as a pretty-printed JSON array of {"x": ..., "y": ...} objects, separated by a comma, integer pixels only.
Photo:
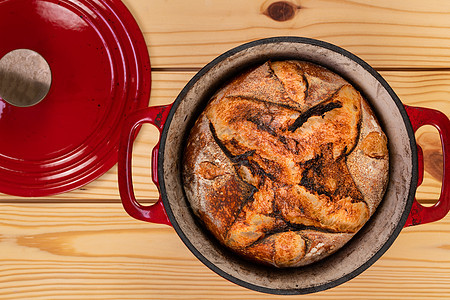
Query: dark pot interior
[{"x": 370, "y": 242}]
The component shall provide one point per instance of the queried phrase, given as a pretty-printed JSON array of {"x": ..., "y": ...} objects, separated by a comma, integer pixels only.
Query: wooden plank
[
  {"x": 95, "y": 251},
  {"x": 403, "y": 34},
  {"x": 427, "y": 89}
]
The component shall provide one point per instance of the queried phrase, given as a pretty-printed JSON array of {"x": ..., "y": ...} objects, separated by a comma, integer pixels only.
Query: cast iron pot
[{"x": 398, "y": 208}]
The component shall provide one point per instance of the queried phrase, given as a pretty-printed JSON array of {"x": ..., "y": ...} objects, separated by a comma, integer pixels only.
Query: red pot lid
[{"x": 100, "y": 73}]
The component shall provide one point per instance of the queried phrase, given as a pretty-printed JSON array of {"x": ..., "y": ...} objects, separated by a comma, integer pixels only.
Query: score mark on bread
[{"x": 276, "y": 166}]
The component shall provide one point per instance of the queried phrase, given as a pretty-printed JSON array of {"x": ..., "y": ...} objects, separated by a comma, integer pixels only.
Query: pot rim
[{"x": 414, "y": 162}]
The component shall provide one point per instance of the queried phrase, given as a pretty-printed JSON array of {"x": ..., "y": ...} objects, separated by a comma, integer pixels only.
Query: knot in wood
[{"x": 281, "y": 11}]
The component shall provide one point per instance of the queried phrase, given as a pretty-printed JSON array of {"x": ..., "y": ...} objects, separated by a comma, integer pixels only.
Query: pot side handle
[
  {"x": 419, "y": 117},
  {"x": 156, "y": 116}
]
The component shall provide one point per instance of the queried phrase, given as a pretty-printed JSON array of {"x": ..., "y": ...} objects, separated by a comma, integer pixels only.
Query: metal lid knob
[{"x": 25, "y": 77}]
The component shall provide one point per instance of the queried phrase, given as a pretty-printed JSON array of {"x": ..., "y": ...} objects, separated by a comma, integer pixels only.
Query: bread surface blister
[{"x": 285, "y": 164}]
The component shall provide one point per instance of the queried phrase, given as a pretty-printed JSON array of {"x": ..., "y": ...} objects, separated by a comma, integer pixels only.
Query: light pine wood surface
[
  {"x": 385, "y": 33},
  {"x": 83, "y": 245}
]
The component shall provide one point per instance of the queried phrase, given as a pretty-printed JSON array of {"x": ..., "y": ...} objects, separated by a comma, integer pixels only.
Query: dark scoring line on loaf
[
  {"x": 261, "y": 126},
  {"x": 317, "y": 110},
  {"x": 307, "y": 87},
  {"x": 241, "y": 159},
  {"x": 305, "y": 79},
  {"x": 219, "y": 142},
  {"x": 294, "y": 228},
  {"x": 285, "y": 93}
]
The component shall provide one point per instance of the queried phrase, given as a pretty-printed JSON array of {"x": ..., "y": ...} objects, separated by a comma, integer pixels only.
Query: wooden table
[{"x": 82, "y": 244}]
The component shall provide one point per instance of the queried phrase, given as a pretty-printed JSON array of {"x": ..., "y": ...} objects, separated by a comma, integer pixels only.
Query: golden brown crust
[{"x": 286, "y": 164}]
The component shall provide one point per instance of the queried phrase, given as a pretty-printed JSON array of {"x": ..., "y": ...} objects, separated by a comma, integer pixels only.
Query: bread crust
[{"x": 286, "y": 163}]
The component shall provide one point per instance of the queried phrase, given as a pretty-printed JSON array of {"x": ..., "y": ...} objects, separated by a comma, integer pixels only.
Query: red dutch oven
[{"x": 397, "y": 210}]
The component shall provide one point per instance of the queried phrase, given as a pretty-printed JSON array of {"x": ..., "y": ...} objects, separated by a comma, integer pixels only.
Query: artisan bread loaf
[{"x": 285, "y": 164}]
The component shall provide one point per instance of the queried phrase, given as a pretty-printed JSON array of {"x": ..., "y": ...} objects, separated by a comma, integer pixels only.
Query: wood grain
[
  {"x": 386, "y": 34},
  {"x": 95, "y": 251}
]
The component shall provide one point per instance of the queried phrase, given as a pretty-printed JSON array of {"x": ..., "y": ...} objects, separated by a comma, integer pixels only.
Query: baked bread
[{"x": 286, "y": 163}]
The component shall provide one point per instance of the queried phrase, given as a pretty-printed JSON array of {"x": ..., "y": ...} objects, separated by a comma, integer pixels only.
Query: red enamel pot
[
  {"x": 97, "y": 61},
  {"x": 397, "y": 210}
]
